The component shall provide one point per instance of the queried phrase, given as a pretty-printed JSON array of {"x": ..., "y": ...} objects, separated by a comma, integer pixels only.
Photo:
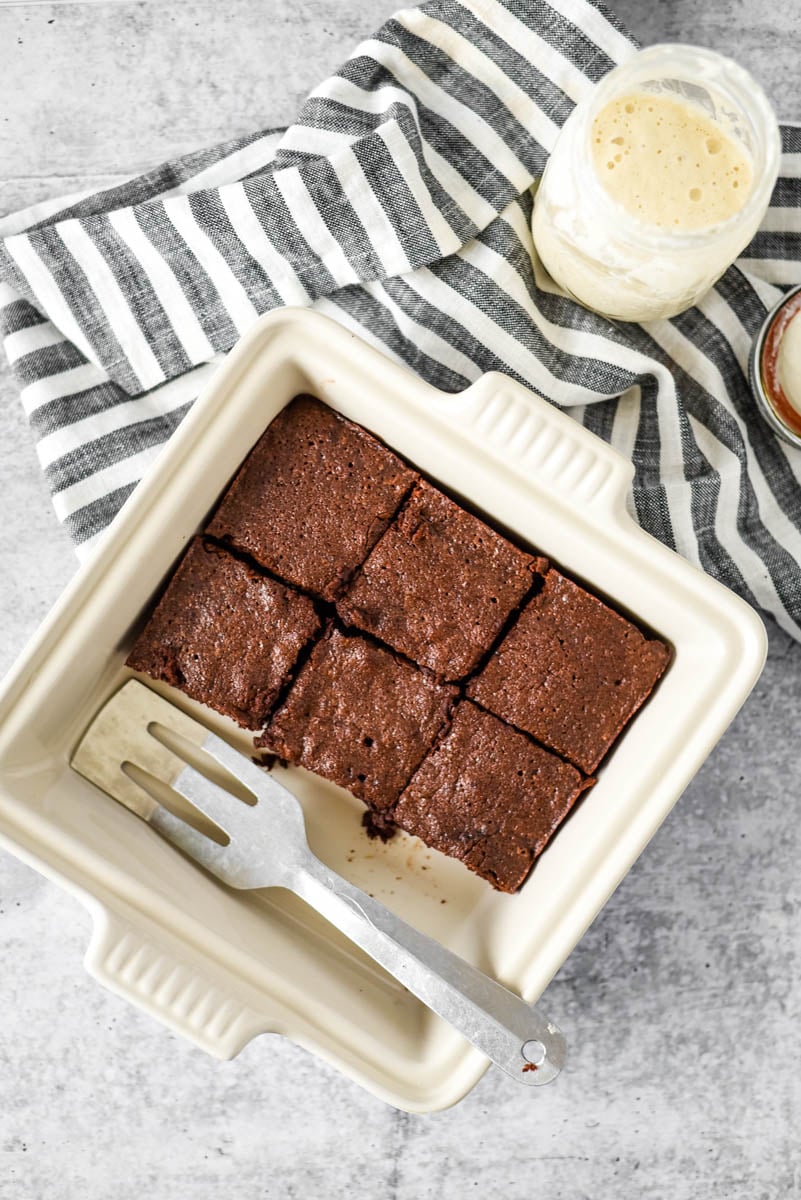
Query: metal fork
[{"x": 139, "y": 744}]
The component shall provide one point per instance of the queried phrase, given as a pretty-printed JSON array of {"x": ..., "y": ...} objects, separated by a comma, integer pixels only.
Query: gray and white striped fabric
[{"x": 399, "y": 205}]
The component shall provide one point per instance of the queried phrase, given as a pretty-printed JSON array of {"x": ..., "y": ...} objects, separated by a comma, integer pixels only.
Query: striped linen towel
[{"x": 399, "y": 205}]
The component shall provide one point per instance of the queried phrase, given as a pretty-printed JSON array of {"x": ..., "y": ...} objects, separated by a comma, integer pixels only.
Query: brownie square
[
  {"x": 488, "y": 796},
  {"x": 359, "y": 716},
  {"x": 313, "y": 496},
  {"x": 225, "y": 634},
  {"x": 439, "y": 585},
  {"x": 571, "y": 672}
]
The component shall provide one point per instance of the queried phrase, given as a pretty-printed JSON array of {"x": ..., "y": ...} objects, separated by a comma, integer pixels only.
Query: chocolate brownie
[
  {"x": 571, "y": 672},
  {"x": 358, "y": 716},
  {"x": 488, "y": 796},
  {"x": 439, "y": 585},
  {"x": 225, "y": 634},
  {"x": 313, "y": 496}
]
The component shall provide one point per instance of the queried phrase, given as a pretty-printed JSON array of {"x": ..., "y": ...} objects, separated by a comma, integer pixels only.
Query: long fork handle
[{"x": 513, "y": 1034}]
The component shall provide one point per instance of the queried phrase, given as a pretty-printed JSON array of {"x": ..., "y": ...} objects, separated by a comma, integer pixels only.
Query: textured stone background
[{"x": 682, "y": 1002}]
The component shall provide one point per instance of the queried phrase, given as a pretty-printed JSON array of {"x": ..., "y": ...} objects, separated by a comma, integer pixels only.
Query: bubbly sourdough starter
[
  {"x": 667, "y": 163},
  {"x": 671, "y": 167}
]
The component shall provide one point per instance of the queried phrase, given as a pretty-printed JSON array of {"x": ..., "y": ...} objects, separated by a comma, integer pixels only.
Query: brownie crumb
[{"x": 378, "y": 825}]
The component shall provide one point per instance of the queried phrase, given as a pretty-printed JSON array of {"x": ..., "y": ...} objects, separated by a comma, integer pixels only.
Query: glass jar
[{"x": 608, "y": 259}]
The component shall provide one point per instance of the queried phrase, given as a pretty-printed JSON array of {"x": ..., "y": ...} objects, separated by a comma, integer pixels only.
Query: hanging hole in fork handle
[{"x": 534, "y": 1053}]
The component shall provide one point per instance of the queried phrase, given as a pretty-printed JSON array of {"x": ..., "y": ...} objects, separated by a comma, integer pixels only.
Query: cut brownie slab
[
  {"x": 490, "y": 797},
  {"x": 225, "y": 634},
  {"x": 360, "y": 717},
  {"x": 313, "y": 496},
  {"x": 571, "y": 672},
  {"x": 439, "y": 585}
]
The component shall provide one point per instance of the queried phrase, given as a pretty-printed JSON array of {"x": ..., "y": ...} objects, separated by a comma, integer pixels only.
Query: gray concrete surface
[{"x": 683, "y": 1001}]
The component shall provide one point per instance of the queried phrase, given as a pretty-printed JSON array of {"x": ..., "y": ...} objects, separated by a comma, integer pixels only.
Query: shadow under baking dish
[{"x": 220, "y": 967}]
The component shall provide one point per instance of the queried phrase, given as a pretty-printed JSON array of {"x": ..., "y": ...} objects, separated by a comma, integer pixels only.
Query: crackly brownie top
[
  {"x": 359, "y": 716},
  {"x": 571, "y": 672},
  {"x": 225, "y": 634},
  {"x": 312, "y": 497},
  {"x": 439, "y": 584},
  {"x": 488, "y": 796}
]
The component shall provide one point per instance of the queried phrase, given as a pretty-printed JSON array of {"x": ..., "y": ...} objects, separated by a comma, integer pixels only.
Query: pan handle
[
  {"x": 539, "y": 442},
  {"x": 163, "y": 980}
]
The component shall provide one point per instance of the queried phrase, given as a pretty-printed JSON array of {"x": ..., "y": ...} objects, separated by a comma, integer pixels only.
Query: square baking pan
[{"x": 221, "y": 967}]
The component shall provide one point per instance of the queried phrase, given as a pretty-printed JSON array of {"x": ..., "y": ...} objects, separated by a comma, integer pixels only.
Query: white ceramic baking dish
[{"x": 221, "y": 967}]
